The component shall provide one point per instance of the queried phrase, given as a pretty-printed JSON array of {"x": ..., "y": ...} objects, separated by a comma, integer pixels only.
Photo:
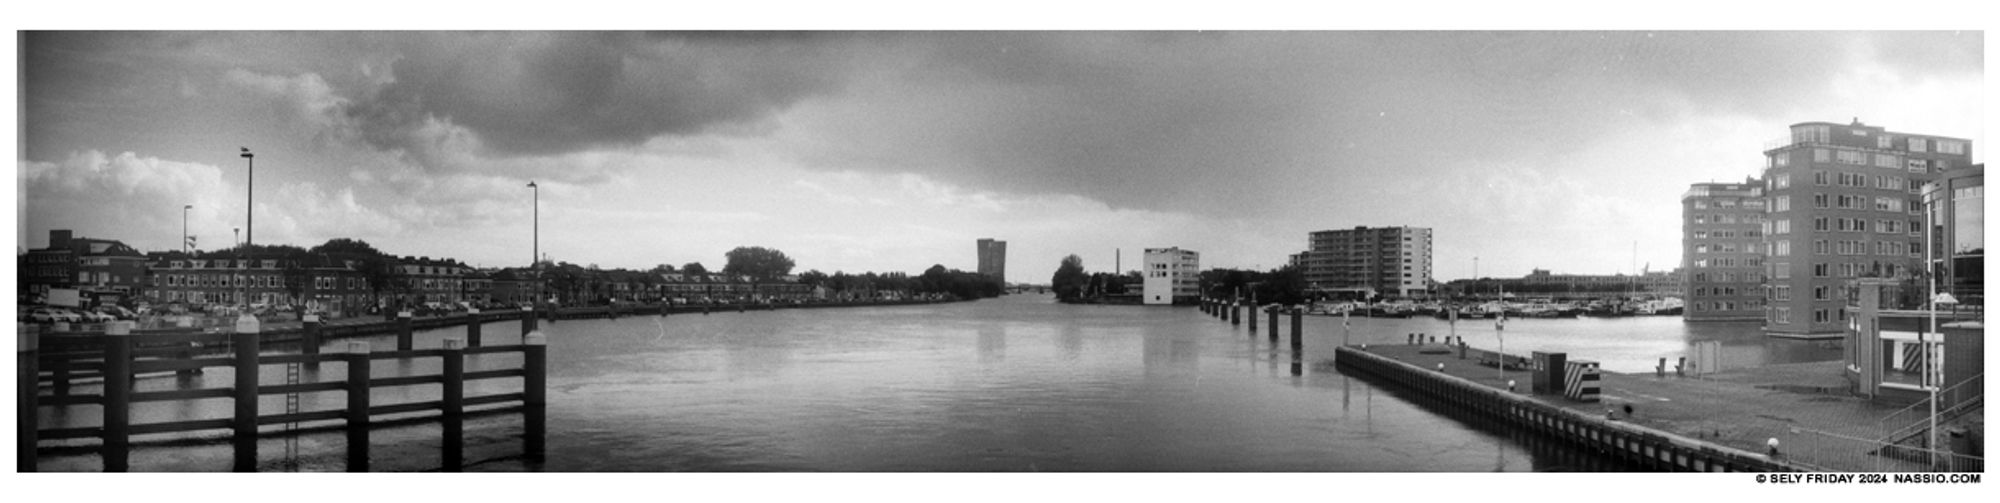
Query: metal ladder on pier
[{"x": 292, "y": 427}]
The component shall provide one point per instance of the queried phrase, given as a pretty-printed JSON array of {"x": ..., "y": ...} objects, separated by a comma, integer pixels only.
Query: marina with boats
[{"x": 1531, "y": 308}]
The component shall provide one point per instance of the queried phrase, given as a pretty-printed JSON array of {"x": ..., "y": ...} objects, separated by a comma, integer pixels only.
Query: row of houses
[{"x": 105, "y": 271}]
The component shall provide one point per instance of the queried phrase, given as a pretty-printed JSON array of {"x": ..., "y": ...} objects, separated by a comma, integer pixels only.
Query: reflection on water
[{"x": 1011, "y": 384}]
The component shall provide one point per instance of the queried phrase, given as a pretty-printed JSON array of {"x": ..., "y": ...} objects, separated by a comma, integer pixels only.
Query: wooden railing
[{"x": 117, "y": 357}]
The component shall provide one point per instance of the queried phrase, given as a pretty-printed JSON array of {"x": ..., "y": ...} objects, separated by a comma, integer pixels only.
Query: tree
[
  {"x": 346, "y": 246},
  {"x": 694, "y": 268},
  {"x": 813, "y": 278},
  {"x": 757, "y": 262},
  {"x": 1069, "y": 280}
]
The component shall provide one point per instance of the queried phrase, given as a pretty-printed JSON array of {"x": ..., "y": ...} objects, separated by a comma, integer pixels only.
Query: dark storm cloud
[{"x": 562, "y": 92}]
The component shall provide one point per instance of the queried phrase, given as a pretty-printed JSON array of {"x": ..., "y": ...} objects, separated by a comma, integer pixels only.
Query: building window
[
  {"x": 1784, "y": 226},
  {"x": 1887, "y": 161},
  {"x": 1919, "y": 145},
  {"x": 1783, "y": 248},
  {"x": 1819, "y": 270},
  {"x": 1782, "y": 270},
  {"x": 1822, "y": 155},
  {"x": 1819, "y": 201},
  {"x": 1882, "y": 141},
  {"x": 1782, "y": 181},
  {"x": 1950, "y": 147}
]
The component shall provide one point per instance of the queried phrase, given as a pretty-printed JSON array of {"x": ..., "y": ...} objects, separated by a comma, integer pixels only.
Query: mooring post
[
  {"x": 244, "y": 436},
  {"x": 527, "y": 321},
  {"x": 1272, "y": 330},
  {"x": 1253, "y": 318},
  {"x": 454, "y": 404},
  {"x": 534, "y": 395},
  {"x": 309, "y": 339},
  {"x": 27, "y": 394},
  {"x": 357, "y": 406},
  {"x": 403, "y": 340},
  {"x": 117, "y": 445},
  {"x": 472, "y": 327},
  {"x": 1298, "y": 327},
  {"x": 1235, "y": 314}
]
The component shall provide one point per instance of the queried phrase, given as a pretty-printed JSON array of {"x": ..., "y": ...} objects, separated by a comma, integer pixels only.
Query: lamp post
[
  {"x": 536, "y": 260},
  {"x": 184, "y": 227},
  {"x": 249, "y": 188}
]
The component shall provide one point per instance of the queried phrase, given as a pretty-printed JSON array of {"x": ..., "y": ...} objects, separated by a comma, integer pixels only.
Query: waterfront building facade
[
  {"x": 1568, "y": 285},
  {"x": 1364, "y": 262},
  {"x": 101, "y": 270},
  {"x": 993, "y": 258},
  {"x": 1722, "y": 250},
  {"x": 1956, "y": 208},
  {"x": 1172, "y": 275},
  {"x": 424, "y": 280},
  {"x": 1843, "y": 202}
]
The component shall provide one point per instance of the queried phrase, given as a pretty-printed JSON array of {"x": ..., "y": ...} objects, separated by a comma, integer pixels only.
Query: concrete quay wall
[{"x": 1642, "y": 446}]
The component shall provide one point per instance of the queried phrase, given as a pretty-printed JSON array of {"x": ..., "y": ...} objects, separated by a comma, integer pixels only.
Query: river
[{"x": 1018, "y": 383}]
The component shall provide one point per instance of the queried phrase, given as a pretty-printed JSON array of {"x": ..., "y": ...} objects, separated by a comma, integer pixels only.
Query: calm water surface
[{"x": 1017, "y": 383}]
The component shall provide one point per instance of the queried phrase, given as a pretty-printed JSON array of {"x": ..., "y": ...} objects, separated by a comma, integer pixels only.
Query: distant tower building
[
  {"x": 1172, "y": 274},
  {"x": 1362, "y": 261},
  {"x": 993, "y": 258},
  {"x": 1722, "y": 250},
  {"x": 1845, "y": 202}
]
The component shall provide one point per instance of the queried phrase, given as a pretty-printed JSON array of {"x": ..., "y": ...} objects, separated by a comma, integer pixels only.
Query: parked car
[
  {"x": 52, "y": 315},
  {"x": 93, "y": 316}
]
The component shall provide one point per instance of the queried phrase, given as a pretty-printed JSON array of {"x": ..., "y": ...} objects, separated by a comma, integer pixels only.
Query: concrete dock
[{"x": 1805, "y": 406}]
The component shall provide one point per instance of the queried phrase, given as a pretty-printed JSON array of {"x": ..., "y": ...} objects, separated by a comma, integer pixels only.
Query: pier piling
[
  {"x": 27, "y": 384},
  {"x": 534, "y": 394},
  {"x": 1298, "y": 328},
  {"x": 473, "y": 327},
  {"x": 527, "y": 321},
  {"x": 1272, "y": 314},
  {"x": 453, "y": 414},
  {"x": 404, "y": 341},
  {"x": 308, "y": 340},
  {"x": 243, "y": 439},
  {"x": 357, "y": 405},
  {"x": 117, "y": 447},
  {"x": 1235, "y": 314}
]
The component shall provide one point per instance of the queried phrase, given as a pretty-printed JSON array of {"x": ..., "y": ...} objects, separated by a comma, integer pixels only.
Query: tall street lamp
[
  {"x": 184, "y": 227},
  {"x": 536, "y": 261},
  {"x": 249, "y": 202}
]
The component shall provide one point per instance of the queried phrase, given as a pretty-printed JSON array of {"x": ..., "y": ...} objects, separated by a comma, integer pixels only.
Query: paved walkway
[{"x": 1805, "y": 406}]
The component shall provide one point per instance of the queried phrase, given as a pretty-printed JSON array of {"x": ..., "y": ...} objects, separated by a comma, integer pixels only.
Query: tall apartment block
[
  {"x": 1722, "y": 251},
  {"x": 1172, "y": 275},
  {"x": 1363, "y": 261},
  {"x": 1844, "y": 203},
  {"x": 993, "y": 258}
]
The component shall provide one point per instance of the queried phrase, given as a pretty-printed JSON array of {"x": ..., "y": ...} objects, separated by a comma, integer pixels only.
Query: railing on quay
[{"x": 117, "y": 357}]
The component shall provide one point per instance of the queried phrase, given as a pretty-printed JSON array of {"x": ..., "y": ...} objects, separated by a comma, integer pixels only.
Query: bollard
[
  {"x": 309, "y": 340},
  {"x": 534, "y": 393},
  {"x": 117, "y": 446},
  {"x": 1298, "y": 328},
  {"x": 472, "y": 328},
  {"x": 244, "y": 437},
  {"x": 663, "y": 308},
  {"x": 1235, "y": 314},
  {"x": 1661, "y": 369},
  {"x": 27, "y": 384},
  {"x": 357, "y": 406},
  {"x": 453, "y": 413},
  {"x": 1273, "y": 329},
  {"x": 704, "y": 309},
  {"x": 527, "y": 321},
  {"x": 1409, "y": 338},
  {"x": 1680, "y": 367},
  {"x": 403, "y": 340}
]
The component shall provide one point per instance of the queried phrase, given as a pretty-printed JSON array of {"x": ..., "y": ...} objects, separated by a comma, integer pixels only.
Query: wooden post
[
  {"x": 244, "y": 438},
  {"x": 60, "y": 378},
  {"x": 1298, "y": 326},
  {"x": 1273, "y": 330},
  {"x": 454, "y": 404},
  {"x": 404, "y": 342},
  {"x": 1235, "y": 314},
  {"x": 534, "y": 391},
  {"x": 27, "y": 395},
  {"x": 117, "y": 447},
  {"x": 309, "y": 339},
  {"x": 357, "y": 406},
  {"x": 527, "y": 321},
  {"x": 472, "y": 328},
  {"x": 1253, "y": 319}
]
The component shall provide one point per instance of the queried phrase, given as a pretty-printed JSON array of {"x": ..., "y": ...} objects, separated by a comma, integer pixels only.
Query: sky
[{"x": 894, "y": 151}]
